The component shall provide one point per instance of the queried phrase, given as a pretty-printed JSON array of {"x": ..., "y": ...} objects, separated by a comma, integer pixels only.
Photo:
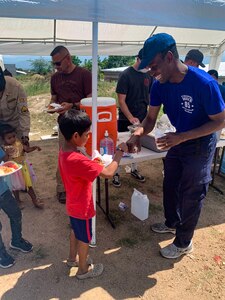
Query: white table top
[
  {"x": 143, "y": 155},
  {"x": 146, "y": 154}
]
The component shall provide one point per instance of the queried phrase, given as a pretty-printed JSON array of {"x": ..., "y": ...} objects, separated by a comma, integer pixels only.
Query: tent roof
[{"x": 33, "y": 26}]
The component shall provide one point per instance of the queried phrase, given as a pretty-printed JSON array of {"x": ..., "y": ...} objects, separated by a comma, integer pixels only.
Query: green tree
[
  {"x": 87, "y": 64},
  {"x": 41, "y": 66},
  {"x": 76, "y": 60},
  {"x": 117, "y": 61}
]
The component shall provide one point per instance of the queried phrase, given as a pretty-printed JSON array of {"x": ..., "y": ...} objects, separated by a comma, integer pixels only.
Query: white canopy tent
[
  {"x": 107, "y": 27},
  {"x": 33, "y": 26}
]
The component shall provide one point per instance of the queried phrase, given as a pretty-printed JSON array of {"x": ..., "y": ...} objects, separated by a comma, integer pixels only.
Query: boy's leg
[
  {"x": 10, "y": 207},
  {"x": 73, "y": 249},
  {"x": 2, "y": 247},
  {"x": 17, "y": 196},
  {"x": 83, "y": 249},
  {"x": 6, "y": 261}
]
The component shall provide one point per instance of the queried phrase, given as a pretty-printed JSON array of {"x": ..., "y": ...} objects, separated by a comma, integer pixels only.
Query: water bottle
[{"x": 106, "y": 145}]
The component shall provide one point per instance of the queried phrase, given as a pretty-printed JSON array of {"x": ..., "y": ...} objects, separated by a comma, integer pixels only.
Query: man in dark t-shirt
[
  {"x": 69, "y": 85},
  {"x": 132, "y": 89}
]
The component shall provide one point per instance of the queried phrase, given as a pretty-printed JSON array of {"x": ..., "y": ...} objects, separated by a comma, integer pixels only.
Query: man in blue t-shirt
[
  {"x": 9, "y": 205},
  {"x": 196, "y": 109}
]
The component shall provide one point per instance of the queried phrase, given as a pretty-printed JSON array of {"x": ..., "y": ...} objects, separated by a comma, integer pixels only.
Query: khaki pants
[{"x": 59, "y": 185}]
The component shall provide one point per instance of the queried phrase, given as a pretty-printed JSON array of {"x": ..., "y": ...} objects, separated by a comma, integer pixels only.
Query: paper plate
[
  {"x": 55, "y": 107},
  {"x": 11, "y": 172},
  {"x": 53, "y": 110}
]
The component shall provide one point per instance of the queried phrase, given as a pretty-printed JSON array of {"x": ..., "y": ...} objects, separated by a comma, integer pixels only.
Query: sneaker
[
  {"x": 172, "y": 251},
  {"x": 116, "y": 180},
  {"x": 162, "y": 228},
  {"x": 137, "y": 176},
  {"x": 6, "y": 261},
  {"x": 22, "y": 245},
  {"x": 94, "y": 271},
  {"x": 61, "y": 197}
]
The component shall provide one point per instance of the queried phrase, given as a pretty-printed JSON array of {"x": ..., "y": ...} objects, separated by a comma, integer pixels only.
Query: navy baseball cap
[
  {"x": 154, "y": 45},
  {"x": 140, "y": 54},
  {"x": 197, "y": 56}
]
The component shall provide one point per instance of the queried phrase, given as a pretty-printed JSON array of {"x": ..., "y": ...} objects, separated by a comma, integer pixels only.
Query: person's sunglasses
[{"x": 58, "y": 63}]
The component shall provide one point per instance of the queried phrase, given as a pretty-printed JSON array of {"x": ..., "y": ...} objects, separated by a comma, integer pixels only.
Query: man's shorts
[{"x": 82, "y": 229}]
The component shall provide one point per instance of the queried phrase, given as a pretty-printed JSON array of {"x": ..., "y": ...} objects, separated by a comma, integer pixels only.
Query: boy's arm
[{"x": 110, "y": 170}]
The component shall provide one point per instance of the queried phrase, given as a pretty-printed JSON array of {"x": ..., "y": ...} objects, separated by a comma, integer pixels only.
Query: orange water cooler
[{"x": 106, "y": 119}]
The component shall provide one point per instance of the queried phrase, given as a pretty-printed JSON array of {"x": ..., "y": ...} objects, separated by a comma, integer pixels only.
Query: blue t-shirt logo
[{"x": 187, "y": 104}]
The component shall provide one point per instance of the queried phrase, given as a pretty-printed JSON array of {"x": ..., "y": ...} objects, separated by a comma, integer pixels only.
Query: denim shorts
[{"x": 82, "y": 229}]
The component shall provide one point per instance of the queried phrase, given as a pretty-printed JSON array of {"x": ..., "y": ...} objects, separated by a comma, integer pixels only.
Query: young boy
[
  {"x": 78, "y": 172},
  {"x": 9, "y": 205}
]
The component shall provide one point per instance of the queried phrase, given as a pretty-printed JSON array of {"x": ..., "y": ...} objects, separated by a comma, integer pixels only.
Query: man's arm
[
  {"x": 125, "y": 110},
  {"x": 216, "y": 123},
  {"x": 146, "y": 126}
]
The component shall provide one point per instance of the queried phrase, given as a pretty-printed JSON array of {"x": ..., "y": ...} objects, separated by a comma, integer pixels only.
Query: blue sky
[{"x": 23, "y": 61}]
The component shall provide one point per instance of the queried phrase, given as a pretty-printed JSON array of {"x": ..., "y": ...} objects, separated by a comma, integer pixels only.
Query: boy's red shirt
[{"x": 78, "y": 172}]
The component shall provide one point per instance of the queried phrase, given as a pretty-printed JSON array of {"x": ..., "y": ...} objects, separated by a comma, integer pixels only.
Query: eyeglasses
[{"x": 58, "y": 63}]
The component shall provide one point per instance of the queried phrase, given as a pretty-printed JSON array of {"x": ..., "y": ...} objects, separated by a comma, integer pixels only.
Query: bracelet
[{"x": 120, "y": 149}]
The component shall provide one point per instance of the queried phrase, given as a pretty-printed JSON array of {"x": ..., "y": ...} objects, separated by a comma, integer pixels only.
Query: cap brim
[
  {"x": 144, "y": 63},
  {"x": 202, "y": 65}
]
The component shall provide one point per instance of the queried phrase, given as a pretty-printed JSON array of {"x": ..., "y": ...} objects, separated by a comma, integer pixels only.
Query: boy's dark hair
[
  {"x": 74, "y": 121},
  {"x": 5, "y": 129}
]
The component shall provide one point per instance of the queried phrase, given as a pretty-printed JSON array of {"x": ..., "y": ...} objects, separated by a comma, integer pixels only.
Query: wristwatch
[{"x": 120, "y": 149}]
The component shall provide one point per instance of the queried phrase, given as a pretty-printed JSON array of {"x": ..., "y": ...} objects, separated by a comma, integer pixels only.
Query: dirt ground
[{"x": 134, "y": 268}]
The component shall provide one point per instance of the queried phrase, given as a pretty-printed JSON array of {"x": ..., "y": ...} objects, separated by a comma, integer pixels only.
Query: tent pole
[{"x": 94, "y": 111}]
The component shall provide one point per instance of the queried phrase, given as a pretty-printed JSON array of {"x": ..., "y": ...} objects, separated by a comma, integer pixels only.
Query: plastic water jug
[
  {"x": 139, "y": 205},
  {"x": 106, "y": 145}
]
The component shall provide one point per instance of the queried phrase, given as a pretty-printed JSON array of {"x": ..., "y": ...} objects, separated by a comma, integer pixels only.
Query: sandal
[
  {"x": 38, "y": 203},
  {"x": 95, "y": 270},
  {"x": 74, "y": 263}
]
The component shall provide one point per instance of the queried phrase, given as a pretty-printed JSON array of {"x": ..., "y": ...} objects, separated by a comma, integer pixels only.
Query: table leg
[
  {"x": 214, "y": 172},
  {"x": 106, "y": 211}
]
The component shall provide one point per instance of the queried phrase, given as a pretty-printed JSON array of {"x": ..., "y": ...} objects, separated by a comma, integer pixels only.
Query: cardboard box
[{"x": 148, "y": 141}]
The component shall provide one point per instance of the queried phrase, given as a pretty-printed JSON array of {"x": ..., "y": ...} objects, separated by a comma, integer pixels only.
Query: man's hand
[
  {"x": 134, "y": 121},
  {"x": 134, "y": 144},
  {"x": 65, "y": 106},
  {"x": 122, "y": 147},
  {"x": 169, "y": 140}
]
